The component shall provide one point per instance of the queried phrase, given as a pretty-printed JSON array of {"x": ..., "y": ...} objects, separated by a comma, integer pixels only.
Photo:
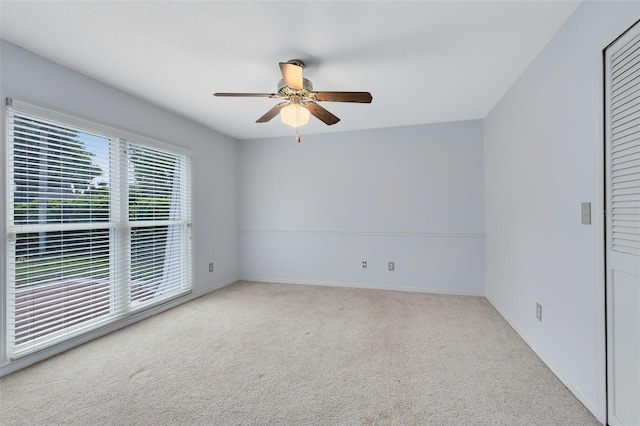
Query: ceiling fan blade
[
  {"x": 247, "y": 95},
  {"x": 361, "y": 97},
  {"x": 321, "y": 114},
  {"x": 292, "y": 75},
  {"x": 271, "y": 113}
]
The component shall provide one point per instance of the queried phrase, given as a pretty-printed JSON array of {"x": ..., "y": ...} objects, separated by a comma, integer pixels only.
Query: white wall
[
  {"x": 543, "y": 157},
  {"x": 312, "y": 212},
  {"x": 29, "y": 77}
]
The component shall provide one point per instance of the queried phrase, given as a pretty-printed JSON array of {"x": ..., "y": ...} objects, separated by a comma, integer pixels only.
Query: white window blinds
[{"x": 98, "y": 226}]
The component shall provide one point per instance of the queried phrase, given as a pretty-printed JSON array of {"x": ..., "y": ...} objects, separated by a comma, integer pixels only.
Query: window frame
[{"x": 122, "y": 138}]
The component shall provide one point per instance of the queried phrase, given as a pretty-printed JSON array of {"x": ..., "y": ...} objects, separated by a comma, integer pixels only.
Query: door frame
[{"x": 598, "y": 214}]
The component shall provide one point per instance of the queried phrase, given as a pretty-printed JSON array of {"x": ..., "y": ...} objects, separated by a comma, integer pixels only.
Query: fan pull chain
[{"x": 298, "y": 126}]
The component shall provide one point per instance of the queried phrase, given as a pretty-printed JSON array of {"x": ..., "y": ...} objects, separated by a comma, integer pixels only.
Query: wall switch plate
[
  {"x": 211, "y": 267},
  {"x": 392, "y": 266},
  {"x": 586, "y": 213},
  {"x": 364, "y": 264},
  {"x": 539, "y": 311}
]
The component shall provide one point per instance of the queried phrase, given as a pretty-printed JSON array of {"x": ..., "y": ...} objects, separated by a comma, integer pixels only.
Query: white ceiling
[{"x": 423, "y": 61}]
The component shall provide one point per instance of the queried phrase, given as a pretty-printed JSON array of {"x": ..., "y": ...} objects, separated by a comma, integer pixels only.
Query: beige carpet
[{"x": 256, "y": 353}]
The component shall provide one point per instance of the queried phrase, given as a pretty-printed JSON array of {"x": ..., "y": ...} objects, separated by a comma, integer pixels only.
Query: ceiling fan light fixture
[
  {"x": 294, "y": 115},
  {"x": 299, "y": 100}
]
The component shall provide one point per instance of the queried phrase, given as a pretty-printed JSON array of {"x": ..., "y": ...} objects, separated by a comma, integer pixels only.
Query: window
[{"x": 98, "y": 223}]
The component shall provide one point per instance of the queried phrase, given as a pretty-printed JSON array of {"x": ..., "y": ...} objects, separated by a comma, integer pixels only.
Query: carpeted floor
[{"x": 256, "y": 353}]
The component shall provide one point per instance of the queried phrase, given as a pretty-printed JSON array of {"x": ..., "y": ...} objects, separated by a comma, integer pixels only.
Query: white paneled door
[{"x": 622, "y": 141}]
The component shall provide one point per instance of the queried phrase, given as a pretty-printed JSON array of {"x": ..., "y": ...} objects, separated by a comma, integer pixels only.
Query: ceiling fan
[{"x": 300, "y": 100}]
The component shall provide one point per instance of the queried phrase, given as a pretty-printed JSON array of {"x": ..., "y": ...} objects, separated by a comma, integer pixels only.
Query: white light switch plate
[{"x": 586, "y": 213}]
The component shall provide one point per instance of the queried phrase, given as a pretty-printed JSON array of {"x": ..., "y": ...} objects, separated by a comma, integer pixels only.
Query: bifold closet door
[{"x": 622, "y": 183}]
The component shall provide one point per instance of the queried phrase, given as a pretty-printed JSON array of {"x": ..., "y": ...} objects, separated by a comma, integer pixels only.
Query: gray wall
[
  {"x": 543, "y": 157},
  {"x": 31, "y": 78},
  {"x": 312, "y": 212}
]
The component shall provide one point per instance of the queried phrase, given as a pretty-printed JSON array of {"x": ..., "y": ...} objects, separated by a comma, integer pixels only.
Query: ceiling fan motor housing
[{"x": 306, "y": 84}]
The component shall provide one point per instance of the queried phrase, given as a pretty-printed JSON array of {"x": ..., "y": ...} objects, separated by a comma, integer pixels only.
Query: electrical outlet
[
  {"x": 364, "y": 264},
  {"x": 539, "y": 311},
  {"x": 211, "y": 267},
  {"x": 392, "y": 266}
]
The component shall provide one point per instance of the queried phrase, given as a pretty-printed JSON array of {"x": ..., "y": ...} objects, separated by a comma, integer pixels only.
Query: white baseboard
[
  {"x": 590, "y": 405},
  {"x": 364, "y": 286},
  {"x": 215, "y": 287}
]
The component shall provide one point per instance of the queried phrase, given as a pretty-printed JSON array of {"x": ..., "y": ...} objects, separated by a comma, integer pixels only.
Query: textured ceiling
[{"x": 423, "y": 61}]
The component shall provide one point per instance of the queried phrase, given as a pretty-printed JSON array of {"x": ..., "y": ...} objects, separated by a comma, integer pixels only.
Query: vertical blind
[
  {"x": 625, "y": 149},
  {"x": 98, "y": 227}
]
